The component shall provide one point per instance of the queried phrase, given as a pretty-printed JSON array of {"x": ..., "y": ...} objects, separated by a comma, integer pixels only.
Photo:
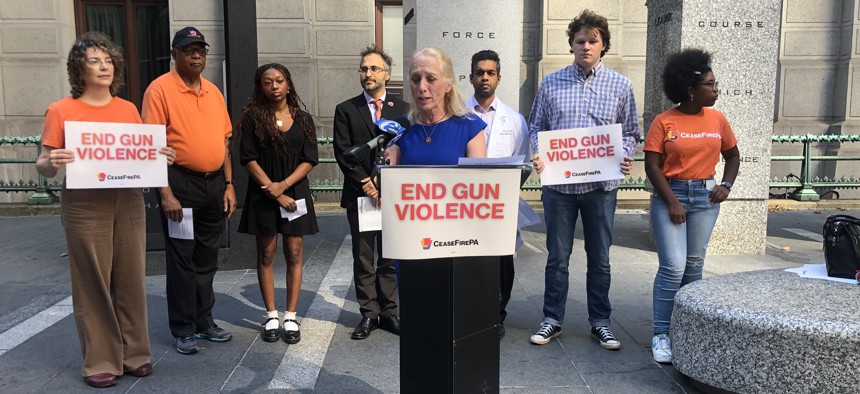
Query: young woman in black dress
[{"x": 278, "y": 147}]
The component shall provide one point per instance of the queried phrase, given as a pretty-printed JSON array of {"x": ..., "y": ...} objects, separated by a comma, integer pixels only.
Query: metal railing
[
  {"x": 43, "y": 192},
  {"x": 805, "y": 185}
]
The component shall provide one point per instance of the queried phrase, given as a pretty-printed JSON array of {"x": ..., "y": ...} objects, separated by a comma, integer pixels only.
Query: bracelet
[
  {"x": 230, "y": 182},
  {"x": 286, "y": 184}
]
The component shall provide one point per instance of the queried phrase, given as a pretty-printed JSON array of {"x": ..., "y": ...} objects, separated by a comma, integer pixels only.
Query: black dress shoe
[
  {"x": 270, "y": 335},
  {"x": 291, "y": 337},
  {"x": 364, "y": 328},
  {"x": 390, "y": 323}
]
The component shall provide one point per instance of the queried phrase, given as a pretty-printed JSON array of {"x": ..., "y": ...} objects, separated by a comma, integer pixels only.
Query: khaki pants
[{"x": 106, "y": 235}]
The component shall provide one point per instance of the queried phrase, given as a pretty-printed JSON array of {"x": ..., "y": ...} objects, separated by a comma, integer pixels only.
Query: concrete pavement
[{"x": 39, "y": 348}]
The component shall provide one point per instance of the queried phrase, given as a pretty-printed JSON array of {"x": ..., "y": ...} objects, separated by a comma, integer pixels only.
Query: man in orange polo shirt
[{"x": 201, "y": 179}]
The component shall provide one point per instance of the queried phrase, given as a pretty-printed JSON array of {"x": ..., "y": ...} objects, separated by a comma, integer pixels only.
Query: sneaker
[
  {"x": 604, "y": 335},
  {"x": 186, "y": 345},
  {"x": 545, "y": 333},
  {"x": 661, "y": 348},
  {"x": 215, "y": 334}
]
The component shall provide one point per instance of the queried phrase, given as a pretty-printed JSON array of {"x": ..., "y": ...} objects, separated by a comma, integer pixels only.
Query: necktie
[{"x": 378, "y": 104}]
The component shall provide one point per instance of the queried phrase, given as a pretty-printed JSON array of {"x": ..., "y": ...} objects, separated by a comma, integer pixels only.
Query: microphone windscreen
[{"x": 389, "y": 127}]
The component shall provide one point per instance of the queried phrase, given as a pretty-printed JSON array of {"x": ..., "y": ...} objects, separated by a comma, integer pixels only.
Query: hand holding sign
[
  {"x": 61, "y": 157},
  {"x": 168, "y": 153},
  {"x": 537, "y": 163},
  {"x": 627, "y": 165}
]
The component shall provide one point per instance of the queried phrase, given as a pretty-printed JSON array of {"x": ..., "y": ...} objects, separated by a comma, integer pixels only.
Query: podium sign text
[
  {"x": 436, "y": 212},
  {"x": 115, "y": 155}
]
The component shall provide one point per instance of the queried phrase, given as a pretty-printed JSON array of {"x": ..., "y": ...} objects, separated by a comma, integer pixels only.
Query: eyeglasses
[
  {"x": 189, "y": 51},
  {"x": 373, "y": 69},
  {"x": 714, "y": 85}
]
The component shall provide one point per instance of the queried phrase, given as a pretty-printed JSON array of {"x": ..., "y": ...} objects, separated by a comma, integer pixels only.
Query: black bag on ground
[{"x": 842, "y": 246}]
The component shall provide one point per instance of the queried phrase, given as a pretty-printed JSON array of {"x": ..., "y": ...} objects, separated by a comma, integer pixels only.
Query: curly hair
[
  {"x": 684, "y": 70},
  {"x": 590, "y": 21},
  {"x": 76, "y": 64},
  {"x": 454, "y": 102},
  {"x": 259, "y": 113}
]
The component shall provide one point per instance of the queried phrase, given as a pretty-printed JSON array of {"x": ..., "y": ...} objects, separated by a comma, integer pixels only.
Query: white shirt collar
[
  {"x": 368, "y": 99},
  {"x": 473, "y": 104}
]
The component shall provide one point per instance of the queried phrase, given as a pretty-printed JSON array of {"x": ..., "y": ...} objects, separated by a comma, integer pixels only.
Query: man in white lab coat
[{"x": 506, "y": 134}]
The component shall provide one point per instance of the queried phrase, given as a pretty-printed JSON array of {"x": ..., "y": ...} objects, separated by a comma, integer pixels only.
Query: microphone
[
  {"x": 397, "y": 127},
  {"x": 358, "y": 154}
]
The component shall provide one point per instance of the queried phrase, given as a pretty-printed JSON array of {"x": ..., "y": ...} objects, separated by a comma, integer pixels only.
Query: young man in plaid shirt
[{"x": 584, "y": 94}]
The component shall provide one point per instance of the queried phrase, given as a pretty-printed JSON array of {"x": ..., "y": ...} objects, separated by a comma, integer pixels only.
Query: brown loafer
[
  {"x": 101, "y": 380},
  {"x": 141, "y": 371}
]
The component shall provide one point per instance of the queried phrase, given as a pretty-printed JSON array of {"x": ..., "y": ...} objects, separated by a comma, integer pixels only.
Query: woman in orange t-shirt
[
  {"x": 682, "y": 149},
  {"x": 105, "y": 228}
]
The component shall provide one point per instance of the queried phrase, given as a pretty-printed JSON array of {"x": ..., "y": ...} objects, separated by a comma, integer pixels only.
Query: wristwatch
[
  {"x": 230, "y": 182},
  {"x": 727, "y": 185}
]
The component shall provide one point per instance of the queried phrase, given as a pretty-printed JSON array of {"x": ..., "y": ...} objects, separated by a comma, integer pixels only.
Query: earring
[{"x": 691, "y": 97}]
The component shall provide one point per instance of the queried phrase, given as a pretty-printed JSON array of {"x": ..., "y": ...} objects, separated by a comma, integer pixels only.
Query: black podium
[
  {"x": 449, "y": 338},
  {"x": 448, "y": 226}
]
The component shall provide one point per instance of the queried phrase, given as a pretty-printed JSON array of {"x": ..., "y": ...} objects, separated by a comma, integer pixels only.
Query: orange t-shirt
[
  {"x": 54, "y": 131},
  {"x": 690, "y": 144},
  {"x": 197, "y": 124}
]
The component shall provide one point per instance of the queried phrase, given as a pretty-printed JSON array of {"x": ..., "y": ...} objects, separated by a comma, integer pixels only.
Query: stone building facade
[{"x": 319, "y": 41}]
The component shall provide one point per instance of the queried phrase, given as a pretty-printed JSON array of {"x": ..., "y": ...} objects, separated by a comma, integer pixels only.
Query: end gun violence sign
[
  {"x": 430, "y": 213},
  {"x": 115, "y": 155},
  {"x": 588, "y": 154}
]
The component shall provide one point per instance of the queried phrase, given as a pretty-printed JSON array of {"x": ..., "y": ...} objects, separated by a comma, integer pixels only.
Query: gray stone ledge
[{"x": 768, "y": 330}]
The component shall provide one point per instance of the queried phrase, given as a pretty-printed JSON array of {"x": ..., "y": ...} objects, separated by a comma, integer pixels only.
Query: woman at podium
[{"x": 442, "y": 129}]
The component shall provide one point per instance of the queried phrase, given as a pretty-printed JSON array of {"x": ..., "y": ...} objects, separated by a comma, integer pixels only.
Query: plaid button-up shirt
[{"x": 568, "y": 99}]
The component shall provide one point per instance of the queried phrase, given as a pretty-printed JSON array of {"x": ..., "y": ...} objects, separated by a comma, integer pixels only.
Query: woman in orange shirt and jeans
[
  {"x": 682, "y": 149},
  {"x": 105, "y": 228}
]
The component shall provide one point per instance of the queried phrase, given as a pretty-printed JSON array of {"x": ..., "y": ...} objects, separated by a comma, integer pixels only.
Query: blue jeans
[
  {"x": 560, "y": 213},
  {"x": 680, "y": 247}
]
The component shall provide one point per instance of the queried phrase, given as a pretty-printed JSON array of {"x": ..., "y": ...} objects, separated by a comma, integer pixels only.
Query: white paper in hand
[
  {"x": 183, "y": 229},
  {"x": 301, "y": 210},
  {"x": 369, "y": 215}
]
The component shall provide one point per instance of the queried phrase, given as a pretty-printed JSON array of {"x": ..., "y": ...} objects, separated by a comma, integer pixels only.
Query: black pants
[
  {"x": 191, "y": 264},
  {"x": 506, "y": 284},
  {"x": 375, "y": 284}
]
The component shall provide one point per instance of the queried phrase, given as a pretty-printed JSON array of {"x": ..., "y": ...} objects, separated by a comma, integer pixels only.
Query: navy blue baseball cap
[{"x": 188, "y": 35}]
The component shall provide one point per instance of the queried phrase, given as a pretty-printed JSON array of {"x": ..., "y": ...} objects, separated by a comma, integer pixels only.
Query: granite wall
[
  {"x": 744, "y": 41},
  {"x": 319, "y": 40},
  {"x": 464, "y": 28}
]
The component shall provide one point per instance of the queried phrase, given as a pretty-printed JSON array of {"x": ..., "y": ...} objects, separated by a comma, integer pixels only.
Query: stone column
[
  {"x": 744, "y": 40},
  {"x": 463, "y": 28}
]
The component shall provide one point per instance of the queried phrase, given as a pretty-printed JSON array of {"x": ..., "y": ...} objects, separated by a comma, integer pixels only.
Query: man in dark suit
[{"x": 375, "y": 281}]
